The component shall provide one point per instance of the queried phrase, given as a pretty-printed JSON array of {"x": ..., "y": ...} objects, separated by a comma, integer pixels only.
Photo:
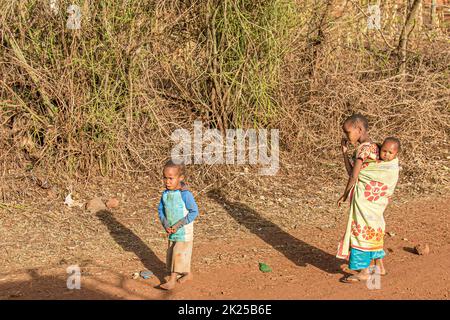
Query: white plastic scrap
[{"x": 72, "y": 203}]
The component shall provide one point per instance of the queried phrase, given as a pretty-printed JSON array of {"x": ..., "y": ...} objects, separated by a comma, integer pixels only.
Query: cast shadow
[
  {"x": 410, "y": 250},
  {"x": 132, "y": 243},
  {"x": 296, "y": 250},
  {"x": 48, "y": 288}
]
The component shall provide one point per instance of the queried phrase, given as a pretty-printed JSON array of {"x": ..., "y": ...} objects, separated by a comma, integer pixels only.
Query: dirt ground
[{"x": 226, "y": 267}]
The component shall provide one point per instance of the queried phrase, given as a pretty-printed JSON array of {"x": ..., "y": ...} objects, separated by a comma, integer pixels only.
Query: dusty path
[{"x": 303, "y": 265}]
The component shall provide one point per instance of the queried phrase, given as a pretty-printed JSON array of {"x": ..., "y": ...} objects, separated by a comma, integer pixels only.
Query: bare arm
[
  {"x": 348, "y": 166},
  {"x": 352, "y": 179},
  {"x": 344, "y": 148}
]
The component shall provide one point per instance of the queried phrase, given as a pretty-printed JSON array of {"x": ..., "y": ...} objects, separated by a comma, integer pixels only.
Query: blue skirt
[{"x": 361, "y": 259}]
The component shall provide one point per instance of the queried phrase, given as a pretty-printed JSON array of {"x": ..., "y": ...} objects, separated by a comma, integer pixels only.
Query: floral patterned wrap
[{"x": 370, "y": 196}]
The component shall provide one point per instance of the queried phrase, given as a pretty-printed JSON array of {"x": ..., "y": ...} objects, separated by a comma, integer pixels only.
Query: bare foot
[
  {"x": 169, "y": 285},
  {"x": 361, "y": 276},
  {"x": 185, "y": 277}
]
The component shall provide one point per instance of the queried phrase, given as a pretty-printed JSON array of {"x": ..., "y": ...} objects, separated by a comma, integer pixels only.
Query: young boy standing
[{"x": 177, "y": 211}]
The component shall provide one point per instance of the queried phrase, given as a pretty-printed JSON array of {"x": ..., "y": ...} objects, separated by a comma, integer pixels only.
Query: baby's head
[
  {"x": 354, "y": 127},
  {"x": 389, "y": 149},
  {"x": 173, "y": 175}
]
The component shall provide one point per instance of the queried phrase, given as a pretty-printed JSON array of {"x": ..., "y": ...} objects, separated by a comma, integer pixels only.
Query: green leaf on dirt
[{"x": 264, "y": 267}]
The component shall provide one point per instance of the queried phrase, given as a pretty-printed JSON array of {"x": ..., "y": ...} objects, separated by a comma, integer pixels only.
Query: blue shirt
[{"x": 178, "y": 206}]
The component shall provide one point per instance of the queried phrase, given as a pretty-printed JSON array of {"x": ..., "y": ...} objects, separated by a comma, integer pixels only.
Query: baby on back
[{"x": 389, "y": 149}]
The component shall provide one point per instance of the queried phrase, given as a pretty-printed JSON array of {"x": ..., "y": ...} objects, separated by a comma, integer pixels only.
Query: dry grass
[{"x": 105, "y": 99}]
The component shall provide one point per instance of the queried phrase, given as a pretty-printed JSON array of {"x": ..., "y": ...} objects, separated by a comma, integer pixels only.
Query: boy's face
[
  {"x": 388, "y": 151},
  {"x": 352, "y": 131},
  {"x": 172, "y": 178}
]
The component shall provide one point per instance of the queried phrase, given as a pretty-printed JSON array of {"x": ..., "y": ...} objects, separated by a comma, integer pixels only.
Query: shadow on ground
[
  {"x": 131, "y": 242},
  {"x": 410, "y": 250},
  {"x": 48, "y": 287},
  {"x": 296, "y": 250}
]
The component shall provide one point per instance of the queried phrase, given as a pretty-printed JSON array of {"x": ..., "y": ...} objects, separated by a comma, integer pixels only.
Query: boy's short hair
[
  {"x": 180, "y": 166},
  {"x": 394, "y": 140},
  {"x": 358, "y": 118}
]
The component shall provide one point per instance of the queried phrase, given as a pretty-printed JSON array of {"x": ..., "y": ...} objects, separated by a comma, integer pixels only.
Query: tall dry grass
[{"x": 105, "y": 99}]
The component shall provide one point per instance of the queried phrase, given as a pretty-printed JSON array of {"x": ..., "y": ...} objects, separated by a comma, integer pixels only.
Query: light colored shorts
[{"x": 179, "y": 256}]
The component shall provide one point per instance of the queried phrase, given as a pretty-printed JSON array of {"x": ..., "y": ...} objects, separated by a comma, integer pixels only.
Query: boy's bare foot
[
  {"x": 185, "y": 277},
  {"x": 169, "y": 285}
]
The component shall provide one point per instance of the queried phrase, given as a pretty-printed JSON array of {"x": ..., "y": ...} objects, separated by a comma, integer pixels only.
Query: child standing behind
[
  {"x": 177, "y": 211},
  {"x": 356, "y": 129}
]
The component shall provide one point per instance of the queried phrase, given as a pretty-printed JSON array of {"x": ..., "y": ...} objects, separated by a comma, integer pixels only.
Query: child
[
  {"x": 177, "y": 211},
  {"x": 389, "y": 149},
  {"x": 388, "y": 152},
  {"x": 356, "y": 131}
]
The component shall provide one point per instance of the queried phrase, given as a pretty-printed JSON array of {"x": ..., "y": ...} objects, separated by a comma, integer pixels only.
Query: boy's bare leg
[
  {"x": 187, "y": 276},
  {"x": 170, "y": 284}
]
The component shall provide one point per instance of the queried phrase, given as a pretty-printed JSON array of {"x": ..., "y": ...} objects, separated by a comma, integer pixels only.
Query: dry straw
[{"x": 105, "y": 98}]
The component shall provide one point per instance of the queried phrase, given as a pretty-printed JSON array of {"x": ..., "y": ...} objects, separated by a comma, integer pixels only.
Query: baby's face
[{"x": 388, "y": 151}]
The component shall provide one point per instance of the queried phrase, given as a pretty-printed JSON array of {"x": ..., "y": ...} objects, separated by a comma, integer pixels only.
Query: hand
[
  {"x": 344, "y": 145},
  {"x": 343, "y": 198},
  {"x": 170, "y": 230}
]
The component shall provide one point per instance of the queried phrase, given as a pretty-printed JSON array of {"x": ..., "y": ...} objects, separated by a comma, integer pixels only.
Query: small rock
[
  {"x": 94, "y": 205},
  {"x": 16, "y": 295},
  {"x": 135, "y": 275},
  {"x": 391, "y": 234},
  {"x": 422, "y": 249},
  {"x": 112, "y": 203},
  {"x": 405, "y": 239}
]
